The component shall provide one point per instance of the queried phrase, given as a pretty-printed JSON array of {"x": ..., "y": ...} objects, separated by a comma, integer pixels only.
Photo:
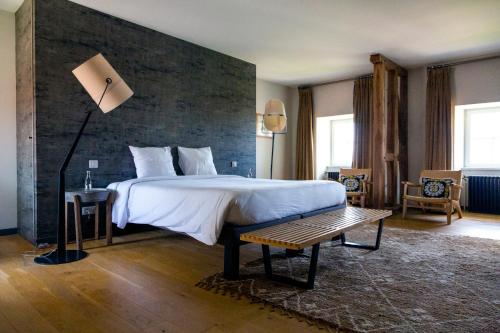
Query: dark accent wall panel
[
  {"x": 24, "y": 121},
  {"x": 184, "y": 95}
]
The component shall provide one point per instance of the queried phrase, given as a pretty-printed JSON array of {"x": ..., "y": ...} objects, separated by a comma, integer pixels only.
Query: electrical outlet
[
  {"x": 90, "y": 210},
  {"x": 93, "y": 164},
  {"x": 234, "y": 164}
]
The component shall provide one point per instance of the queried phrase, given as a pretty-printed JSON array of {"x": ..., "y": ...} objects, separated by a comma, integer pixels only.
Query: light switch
[
  {"x": 234, "y": 164},
  {"x": 93, "y": 164}
]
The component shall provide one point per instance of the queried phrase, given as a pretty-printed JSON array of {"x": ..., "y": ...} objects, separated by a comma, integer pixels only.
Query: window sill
[
  {"x": 481, "y": 169},
  {"x": 481, "y": 172}
]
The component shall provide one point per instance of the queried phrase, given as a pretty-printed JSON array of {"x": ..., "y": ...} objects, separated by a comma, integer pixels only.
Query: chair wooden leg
[
  {"x": 78, "y": 223},
  {"x": 449, "y": 210},
  {"x": 459, "y": 210},
  {"x": 405, "y": 203},
  {"x": 362, "y": 201},
  {"x": 422, "y": 205}
]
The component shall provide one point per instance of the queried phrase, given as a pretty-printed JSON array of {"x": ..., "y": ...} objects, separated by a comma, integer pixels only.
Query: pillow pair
[{"x": 158, "y": 161}]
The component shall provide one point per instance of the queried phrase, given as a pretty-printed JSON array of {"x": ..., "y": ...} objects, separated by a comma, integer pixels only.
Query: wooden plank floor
[{"x": 147, "y": 284}]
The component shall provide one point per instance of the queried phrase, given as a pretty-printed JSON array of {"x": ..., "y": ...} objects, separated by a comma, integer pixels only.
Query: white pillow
[
  {"x": 196, "y": 161},
  {"x": 153, "y": 161}
]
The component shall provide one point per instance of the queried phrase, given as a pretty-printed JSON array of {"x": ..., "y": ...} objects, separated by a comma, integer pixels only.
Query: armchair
[
  {"x": 360, "y": 196},
  {"x": 447, "y": 203}
]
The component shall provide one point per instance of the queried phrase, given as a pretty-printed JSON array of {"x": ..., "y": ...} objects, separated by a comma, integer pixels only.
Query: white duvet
[{"x": 199, "y": 205}]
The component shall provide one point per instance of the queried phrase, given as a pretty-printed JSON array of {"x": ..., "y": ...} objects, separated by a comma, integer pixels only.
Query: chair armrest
[
  {"x": 411, "y": 184},
  {"x": 408, "y": 184},
  {"x": 364, "y": 186},
  {"x": 455, "y": 191}
]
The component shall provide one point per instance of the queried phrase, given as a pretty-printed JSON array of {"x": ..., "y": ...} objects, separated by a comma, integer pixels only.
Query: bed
[{"x": 218, "y": 208}]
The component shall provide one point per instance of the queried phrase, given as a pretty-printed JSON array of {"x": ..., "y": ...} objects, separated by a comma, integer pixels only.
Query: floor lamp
[
  {"x": 275, "y": 121},
  {"x": 108, "y": 91}
]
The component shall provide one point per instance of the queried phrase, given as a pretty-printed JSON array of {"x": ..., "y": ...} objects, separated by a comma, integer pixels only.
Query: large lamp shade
[
  {"x": 93, "y": 75},
  {"x": 275, "y": 116}
]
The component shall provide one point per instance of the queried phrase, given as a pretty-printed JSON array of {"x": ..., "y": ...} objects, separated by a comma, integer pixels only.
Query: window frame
[{"x": 462, "y": 136}]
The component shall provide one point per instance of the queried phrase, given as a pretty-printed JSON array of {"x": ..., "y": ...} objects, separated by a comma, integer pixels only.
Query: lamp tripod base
[{"x": 58, "y": 258}]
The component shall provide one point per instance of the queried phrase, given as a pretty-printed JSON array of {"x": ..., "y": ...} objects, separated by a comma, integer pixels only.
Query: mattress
[{"x": 200, "y": 205}]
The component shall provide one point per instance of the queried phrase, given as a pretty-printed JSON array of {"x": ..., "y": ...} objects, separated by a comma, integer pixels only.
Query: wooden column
[
  {"x": 378, "y": 134},
  {"x": 389, "y": 136}
]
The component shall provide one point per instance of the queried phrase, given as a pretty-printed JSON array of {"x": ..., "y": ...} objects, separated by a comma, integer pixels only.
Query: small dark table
[{"x": 94, "y": 196}]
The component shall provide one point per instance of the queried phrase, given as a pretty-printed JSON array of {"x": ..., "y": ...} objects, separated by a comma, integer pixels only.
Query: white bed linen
[{"x": 199, "y": 205}]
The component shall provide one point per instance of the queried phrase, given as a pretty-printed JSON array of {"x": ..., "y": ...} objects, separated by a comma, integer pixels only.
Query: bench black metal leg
[
  {"x": 363, "y": 246},
  {"x": 231, "y": 261},
  {"x": 311, "y": 276},
  {"x": 312, "y": 267},
  {"x": 267, "y": 261}
]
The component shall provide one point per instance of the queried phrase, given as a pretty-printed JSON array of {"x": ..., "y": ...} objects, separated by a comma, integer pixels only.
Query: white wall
[
  {"x": 8, "y": 169},
  {"x": 477, "y": 82},
  {"x": 283, "y": 166},
  {"x": 333, "y": 99}
]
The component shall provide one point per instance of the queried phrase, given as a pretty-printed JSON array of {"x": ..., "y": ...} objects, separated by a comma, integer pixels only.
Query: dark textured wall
[{"x": 184, "y": 95}]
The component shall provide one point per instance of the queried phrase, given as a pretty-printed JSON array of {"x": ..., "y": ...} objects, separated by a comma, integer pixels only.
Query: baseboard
[{"x": 10, "y": 231}]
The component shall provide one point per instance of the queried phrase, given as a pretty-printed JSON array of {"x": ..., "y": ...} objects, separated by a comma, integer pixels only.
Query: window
[
  {"x": 342, "y": 141},
  {"x": 477, "y": 136},
  {"x": 334, "y": 142}
]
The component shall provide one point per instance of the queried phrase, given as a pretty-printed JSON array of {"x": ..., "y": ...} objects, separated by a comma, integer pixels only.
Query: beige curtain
[
  {"x": 438, "y": 120},
  {"x": 305, "y": 136},
  {"x": 363, "y": 120}
]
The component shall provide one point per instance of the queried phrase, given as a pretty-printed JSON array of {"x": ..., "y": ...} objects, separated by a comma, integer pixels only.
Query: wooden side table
[{"x": 95, "y": 196}]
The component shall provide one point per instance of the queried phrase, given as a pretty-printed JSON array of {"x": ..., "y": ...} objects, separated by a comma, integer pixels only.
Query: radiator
[{"x": 483, "y": 194}]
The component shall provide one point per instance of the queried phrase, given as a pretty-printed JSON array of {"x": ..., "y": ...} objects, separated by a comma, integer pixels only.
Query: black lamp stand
[
  {"x": 61, "y": 255},
  {"x": 272, "y": 156},
  {"x": 272, "y": 152}
]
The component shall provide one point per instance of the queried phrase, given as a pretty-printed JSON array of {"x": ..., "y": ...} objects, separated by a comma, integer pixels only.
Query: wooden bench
[{"x": 311, "y": 231}]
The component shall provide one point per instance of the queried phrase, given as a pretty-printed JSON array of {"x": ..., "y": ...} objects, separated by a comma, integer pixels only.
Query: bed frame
[{"x": 230, "y": 238}]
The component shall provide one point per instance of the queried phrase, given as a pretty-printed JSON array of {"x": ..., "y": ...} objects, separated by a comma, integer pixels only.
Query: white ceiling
[{"x": 311, "y": 41}]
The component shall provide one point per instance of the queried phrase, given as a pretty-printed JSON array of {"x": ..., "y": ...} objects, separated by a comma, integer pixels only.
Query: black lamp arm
[
  {"x": 61, "y": 241},
  {"x": 82, "y": 128}
]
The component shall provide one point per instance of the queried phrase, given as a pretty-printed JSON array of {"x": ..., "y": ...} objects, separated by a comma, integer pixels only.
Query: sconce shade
[
  {"x": 92, "y": 75},
  {"x": 275, "y": 116}
]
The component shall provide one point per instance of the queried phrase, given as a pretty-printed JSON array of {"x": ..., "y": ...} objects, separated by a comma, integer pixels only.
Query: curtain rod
[
  {"x": 338, "y": 81},
  {"x": 442, "y": 65},
  {"x": 462, "y": 62}
]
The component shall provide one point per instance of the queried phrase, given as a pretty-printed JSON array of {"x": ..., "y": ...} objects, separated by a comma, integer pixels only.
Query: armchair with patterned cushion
[
  {"x": 437, "y": 190},
  {"x": 356, "y": 182}
]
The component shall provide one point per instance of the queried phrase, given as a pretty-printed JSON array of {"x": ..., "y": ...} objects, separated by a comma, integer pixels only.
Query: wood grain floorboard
[{"x": 146, "y": 283}]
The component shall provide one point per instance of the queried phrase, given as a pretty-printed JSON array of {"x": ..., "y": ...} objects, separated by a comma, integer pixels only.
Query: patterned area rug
[{"x": 416, "y": 282}]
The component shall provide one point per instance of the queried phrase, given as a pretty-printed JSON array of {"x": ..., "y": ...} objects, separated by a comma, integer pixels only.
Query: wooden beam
[
  {"x": 378, "y": 135},
  {"x": 389, "y": 64},
  {"x": 391, "y": 137}
]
